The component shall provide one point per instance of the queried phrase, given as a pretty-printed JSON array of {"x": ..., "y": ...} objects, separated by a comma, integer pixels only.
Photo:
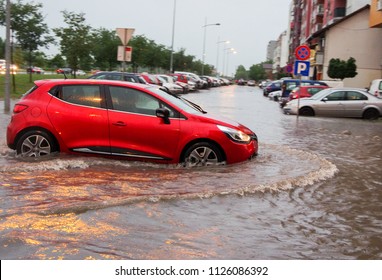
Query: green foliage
[
  {"x": 257, "y": 72},
  {"x": 75, "y": 40},
  {"x": 340, "y": 69},
  {"x": 241, "y": 73},
  {"x": 104, "y": 48}
]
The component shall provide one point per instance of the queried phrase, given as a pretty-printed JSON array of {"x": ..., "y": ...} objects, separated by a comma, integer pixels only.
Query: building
[{"x": 348, "y": 37}]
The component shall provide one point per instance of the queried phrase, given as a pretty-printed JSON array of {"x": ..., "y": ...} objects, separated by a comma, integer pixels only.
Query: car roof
[{"x": 54, "y": 82}]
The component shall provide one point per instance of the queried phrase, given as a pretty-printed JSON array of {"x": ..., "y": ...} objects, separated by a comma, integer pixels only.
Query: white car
[
  {"x": 274, "y": 95},
  {"x": 376, "y": 87},
  {"x": 169, "y": 84}
]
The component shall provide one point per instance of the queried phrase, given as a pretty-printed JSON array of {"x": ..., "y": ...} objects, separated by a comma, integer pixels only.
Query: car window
[
  {"x": 313, "y": 91},
  {"x": 87, "y": 95},
  {"x": 129, "y": 79},
  {"x": 336, "y": 96},
  {"x": 135, "y": 101},
  {"x": 355, "y": 95}
]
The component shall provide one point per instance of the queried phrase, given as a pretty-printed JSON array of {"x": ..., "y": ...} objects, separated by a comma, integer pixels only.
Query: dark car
[
  {"x": 272, "y": 86},
  {"x": 118, "y": 76},
  {"x": 35, "y": 70},
  {"x": 123, "y": 120}
]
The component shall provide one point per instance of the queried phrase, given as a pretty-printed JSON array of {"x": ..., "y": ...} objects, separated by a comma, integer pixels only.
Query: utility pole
[{"x": 7, "y": 89}]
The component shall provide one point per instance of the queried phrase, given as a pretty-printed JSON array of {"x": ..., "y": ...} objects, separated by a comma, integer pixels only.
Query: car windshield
[{"x": 180, "y": 102}]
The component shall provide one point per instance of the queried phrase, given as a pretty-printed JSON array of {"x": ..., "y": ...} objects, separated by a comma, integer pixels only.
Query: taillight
[{"x": 19, "y": 108}]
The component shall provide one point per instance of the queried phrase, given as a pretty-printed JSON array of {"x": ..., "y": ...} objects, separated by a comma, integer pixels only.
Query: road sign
[
  {"x": 125, "y": 34},
  {"x": 302, "y": 52},
  {"x": 301, "y": 68},
  {"x": 124, "y": 53}
]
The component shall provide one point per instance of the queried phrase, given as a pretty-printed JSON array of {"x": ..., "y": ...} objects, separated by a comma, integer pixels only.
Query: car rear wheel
[
  {"x": 202, "y": 154},
  {"x": 306, "y": 111},
  {"x": 35, "y": 144},
  {"x": 371, "y": 114}
]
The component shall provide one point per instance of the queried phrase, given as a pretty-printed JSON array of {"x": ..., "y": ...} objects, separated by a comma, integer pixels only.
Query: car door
[
  {"x": 135, "y": 130},
  {"x": 355, "y": 102},
  {"x": 78, "y": 115},
  {"x": 332, "y": 104}
]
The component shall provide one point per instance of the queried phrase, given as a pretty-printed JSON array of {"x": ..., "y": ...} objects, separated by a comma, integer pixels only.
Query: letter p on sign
[{"x": 301, "y": 68}]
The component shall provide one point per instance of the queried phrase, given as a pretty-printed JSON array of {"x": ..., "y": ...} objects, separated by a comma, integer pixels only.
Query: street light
[
  {"x": 228, "y": 52},
  {"x": 204, "y": 41},
  {"x": 217, "y": 53},
  {"x": 172, "y": 40},
  {"x": 224, "y": 54}
]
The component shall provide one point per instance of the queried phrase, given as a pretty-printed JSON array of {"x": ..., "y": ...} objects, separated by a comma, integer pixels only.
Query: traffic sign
[
  {"x": 125, "y": 34},
  {"x": 124, "y": 53},
  {"x": 302, "y": 52},
  {"x": 301, "y": 68}
]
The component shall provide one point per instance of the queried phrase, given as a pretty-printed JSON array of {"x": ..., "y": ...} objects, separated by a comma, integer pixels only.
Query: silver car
[{"x": 337, "y": 102}]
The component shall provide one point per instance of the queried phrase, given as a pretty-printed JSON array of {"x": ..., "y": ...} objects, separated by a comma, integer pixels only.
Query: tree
[
  {"x": 340, "y": 69},
  {"x": 241, "y": 73},
  {"x": 105, "y": 48},
  {"x": 257, "y": 72},
  {"x": 75, "y": 40},
  {"x": 29, "y": 30}
]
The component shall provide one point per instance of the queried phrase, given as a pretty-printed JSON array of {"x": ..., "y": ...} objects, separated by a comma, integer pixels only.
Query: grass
[{"x": 20, "y": 83}]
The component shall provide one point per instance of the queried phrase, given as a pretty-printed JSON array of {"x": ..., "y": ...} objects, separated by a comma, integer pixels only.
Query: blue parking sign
[{"x": 301, "y": 68}]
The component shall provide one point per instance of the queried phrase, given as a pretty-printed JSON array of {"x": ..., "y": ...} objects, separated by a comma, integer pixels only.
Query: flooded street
[{"x": 313, "y": 192}]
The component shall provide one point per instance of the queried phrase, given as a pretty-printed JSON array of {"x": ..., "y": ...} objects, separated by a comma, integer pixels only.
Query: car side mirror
[
  {"x": 325, "y": 99},
  {"x": 164, "y": 114}
]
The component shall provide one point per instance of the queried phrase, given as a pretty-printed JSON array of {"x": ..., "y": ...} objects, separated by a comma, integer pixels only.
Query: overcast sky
[{"x": 248, "y": 24}]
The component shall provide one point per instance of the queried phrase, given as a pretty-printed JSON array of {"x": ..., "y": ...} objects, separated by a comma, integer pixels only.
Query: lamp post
[
  {"x": 217, "y": 53},
  {"x": 204, "y": 42},
  {"x": 232, "y": 50},
  {"x": 224, "y": 55},
  {"x": 172, "y": 40}
]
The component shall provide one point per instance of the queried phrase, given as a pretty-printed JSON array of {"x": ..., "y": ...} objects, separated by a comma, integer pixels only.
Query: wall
[{"x": 354, "y": 38}]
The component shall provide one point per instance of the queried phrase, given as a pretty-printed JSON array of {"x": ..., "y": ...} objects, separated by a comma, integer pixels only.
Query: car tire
[
  {"x": 35, "y": 143},
  {"x": 202, "y": 154},
  {"x": 306, "y": 111},
  {"x": 371, "y": 114}
]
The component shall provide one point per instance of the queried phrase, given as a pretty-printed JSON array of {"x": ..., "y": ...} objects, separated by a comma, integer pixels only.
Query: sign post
[
  {"x": 301, "y": 67},
  {"x": 124, "y": 51}
]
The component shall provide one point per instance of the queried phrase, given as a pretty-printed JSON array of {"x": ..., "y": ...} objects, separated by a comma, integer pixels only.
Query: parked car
[
  {"x": 80, "y": 73},
  {"x": 288, "y": 85},
  {"x": 251, "y": 83},
  {"x": 241, "y": 82},
  {"x": 116, "y": 76},
  {"x": 194, "y": 78},
  {"x": 272, "y": 86},
  {"x": 35, "y": 70},
  {"x": 337, "y": 102},
  {"x": 123, "y": 120},
  {"x": 274, "y": 95},
  {"x": 64, "y": 71},
  {"x": 184, "y": 79},
  {"x": 169, "y": 85},
  {"x": 376, "y": 87},
  {"x": 12, "y": 67},
  {"x": 305, "y": 91}
]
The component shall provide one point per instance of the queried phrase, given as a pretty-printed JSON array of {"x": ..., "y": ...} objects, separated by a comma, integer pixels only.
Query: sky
[{"x": 248, "y": 24}]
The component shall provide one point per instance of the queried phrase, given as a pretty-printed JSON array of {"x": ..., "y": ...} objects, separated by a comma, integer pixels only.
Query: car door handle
[{"x": 120, "y": 123}]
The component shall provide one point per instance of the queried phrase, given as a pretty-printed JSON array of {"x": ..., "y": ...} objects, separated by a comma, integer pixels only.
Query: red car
[
  {"x": 305, "y": 91},
  {"x": 119, "y": 119}
]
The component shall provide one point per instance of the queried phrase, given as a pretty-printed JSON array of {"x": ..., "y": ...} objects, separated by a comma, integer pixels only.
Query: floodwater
[{"x": 313, "y": 192}]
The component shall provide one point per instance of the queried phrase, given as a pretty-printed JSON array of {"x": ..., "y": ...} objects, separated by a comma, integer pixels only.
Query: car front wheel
[
  {"x": 202, "y": 154},
  {"x": 306, "y": 111},
  {"x": 35, "y": 144}
]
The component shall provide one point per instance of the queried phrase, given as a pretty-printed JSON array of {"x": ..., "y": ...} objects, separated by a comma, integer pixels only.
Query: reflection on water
[{"x": 314, "y": 192}]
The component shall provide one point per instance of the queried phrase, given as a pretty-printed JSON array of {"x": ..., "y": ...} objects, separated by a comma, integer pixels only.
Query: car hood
[{"x": 211, "y": 118}]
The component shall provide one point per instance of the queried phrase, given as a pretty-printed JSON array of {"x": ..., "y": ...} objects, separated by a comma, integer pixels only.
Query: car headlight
[{"x": 235, "y": 135}]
